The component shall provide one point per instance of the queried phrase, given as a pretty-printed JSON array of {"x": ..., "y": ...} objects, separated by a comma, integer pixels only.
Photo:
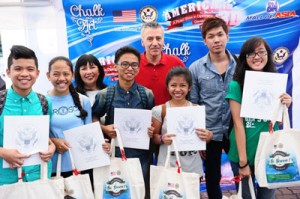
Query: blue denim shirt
[{"x": 210, "y": 90}]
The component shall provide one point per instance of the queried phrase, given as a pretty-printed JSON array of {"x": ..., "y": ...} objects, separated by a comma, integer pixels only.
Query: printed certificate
[
  {"x": 133, "y": 125},
  {"x": 86, "y": 146},
  {"x": 261, "y": 94},
  {"x": 28, "y": 134},
  {"x": 183, "y": 121}
]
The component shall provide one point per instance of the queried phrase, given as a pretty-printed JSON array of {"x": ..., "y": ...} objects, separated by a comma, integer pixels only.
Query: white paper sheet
[
  {"x": 183, "y": 121},
  {"x": 28, "y": 134},
  {"x": 261, "y": 94},
  {"x": 86, "y": 146},
  {"x": 133, "y": 126}
]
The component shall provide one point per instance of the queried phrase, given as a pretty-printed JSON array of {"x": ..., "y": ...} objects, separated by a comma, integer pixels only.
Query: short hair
[
  {"x": 211, "y": 23},
  {"x": 19, "y": 52},
  {"x": 124, "y": 50},
  {"x": 153, "y": 25},
  {"x": 82, "y": 61}
]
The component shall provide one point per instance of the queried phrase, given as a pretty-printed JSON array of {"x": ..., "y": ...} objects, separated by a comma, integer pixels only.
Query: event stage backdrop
[{"x": 101, "y": 27}]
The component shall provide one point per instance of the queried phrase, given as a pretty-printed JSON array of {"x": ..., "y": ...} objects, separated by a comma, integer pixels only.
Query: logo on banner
[
  {"x": 197, "y": 12},
  {"x": 280, "y": 55},
  {"x": 87, "y": 19},
  {"x": 272, "y": 6},
  {"x": 148, "y": 14}
]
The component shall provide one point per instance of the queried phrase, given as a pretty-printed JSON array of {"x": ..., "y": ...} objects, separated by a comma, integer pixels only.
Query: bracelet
[
  {"x": 161, "y": 140},
  {"x": 241, "y": 167}
]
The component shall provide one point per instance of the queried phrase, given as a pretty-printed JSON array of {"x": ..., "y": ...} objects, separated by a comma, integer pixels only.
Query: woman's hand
[
  {"x": 167, "y": 138},
  {"x": 46, "y": 156},
  {"x": 107, "y": 147},
  {"x": 285, "y": 99},
  {"x": 61, "y": 145},
  {"x": 204, "y": 134},
  {"x": 150, "y": 131},
  {"x": 245, "y": 172}
]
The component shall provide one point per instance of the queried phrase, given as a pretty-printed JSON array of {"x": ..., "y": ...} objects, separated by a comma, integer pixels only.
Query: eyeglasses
[
  {"x": 126, "y": 65},
  {"x": 259, "y": 53}
]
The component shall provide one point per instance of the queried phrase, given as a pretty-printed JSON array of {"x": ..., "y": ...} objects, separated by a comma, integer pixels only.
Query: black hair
[
  {"x": 249, "y": 47},
  {"x": 74, "y": 94},
  {"x": 124, "y": 50},
  {"x": 19, "y": 52},
  {"x": 180, "y": 71},
  {"x": 82, "y": 61}
]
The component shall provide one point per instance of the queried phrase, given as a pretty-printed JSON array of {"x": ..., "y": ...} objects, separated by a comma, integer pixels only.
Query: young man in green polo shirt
[{"x": 20, "y": 99}]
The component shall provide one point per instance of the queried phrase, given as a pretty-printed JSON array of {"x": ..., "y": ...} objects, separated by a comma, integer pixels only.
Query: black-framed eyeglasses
[
  {"x": 259, "y": 53},
  {"x": 125, "y": 64}
]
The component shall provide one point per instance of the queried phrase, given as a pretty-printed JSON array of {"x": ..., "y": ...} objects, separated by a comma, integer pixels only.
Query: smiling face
[
  {"x": 153, "y": 41},
  {"x": 178, "y": 88},
  {"x": 216, "y": 40},
  {"x": 61, "y": 77},
  {"x": 23, "y": 74},
  {"x": 89, "y": 74},
  {"x": 127, "y": 74},
  {"x": 260, "y": 59}
]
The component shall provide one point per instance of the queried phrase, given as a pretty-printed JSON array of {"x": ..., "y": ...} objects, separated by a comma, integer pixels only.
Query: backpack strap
[
  {"x": 163, "y": 112},
  {"x": 110, "y": 95},
  {"x": 44, "y": 103},
  {"x": 143, "y": 95},
  {"x": 2, "y": 100}
]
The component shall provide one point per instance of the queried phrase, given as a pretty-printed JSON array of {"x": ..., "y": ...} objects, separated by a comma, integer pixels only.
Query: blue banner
[{"x": 101, "y": 27}]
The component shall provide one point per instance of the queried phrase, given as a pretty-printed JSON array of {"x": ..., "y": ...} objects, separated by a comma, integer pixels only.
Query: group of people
[{"x": 154, "y": 81}]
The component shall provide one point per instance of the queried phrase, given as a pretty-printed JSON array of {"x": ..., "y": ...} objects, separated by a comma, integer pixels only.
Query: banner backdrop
[{"x": 101, "y": 27}]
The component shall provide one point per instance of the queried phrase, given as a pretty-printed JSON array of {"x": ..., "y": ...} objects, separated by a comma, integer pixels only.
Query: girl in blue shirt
[{"x": 70, "y": 110}]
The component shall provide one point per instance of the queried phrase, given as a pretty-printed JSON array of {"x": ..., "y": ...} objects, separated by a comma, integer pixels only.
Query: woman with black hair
[{"x": 89, "y": 76}]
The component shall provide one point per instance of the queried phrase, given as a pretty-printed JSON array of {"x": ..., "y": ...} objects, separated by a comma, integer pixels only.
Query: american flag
[{"x": 124, "y": 16}]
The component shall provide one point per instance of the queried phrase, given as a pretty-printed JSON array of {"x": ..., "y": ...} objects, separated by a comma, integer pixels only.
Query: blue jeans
[{"x": 261, "y": 192}]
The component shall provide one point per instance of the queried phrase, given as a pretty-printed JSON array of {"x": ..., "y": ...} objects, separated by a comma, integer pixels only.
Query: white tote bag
[
  {"x": 277, "y": 160},
  {"x": 123, "y": 178},
  {"x": 76, "y": 186},
  {"x": 43, "y": 188},
  {"x": 168, "y": 182},
  {"x": 239, "y": 193}
]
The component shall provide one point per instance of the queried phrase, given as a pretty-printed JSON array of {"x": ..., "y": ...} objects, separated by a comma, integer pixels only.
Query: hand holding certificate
[
  {"x": 27, "y": 134},
  {"x": 261, "y": 94}
]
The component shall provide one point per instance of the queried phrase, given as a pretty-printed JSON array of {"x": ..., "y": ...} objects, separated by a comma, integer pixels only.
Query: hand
[
  {"x": 46, "y": 156},
  {"x": 245, "y": 172},
  {"x": 167, "y": 138},
  {"x": 109, "y": 130},
  {"x": 204, "y": 134},
  {"x": 13, "y": 157},
  {"x": 150, "y": 131},
  {"x": 61, "y": 145},
  {"x": 285, "y": 99},
  {"x": 107, "y": 147}
]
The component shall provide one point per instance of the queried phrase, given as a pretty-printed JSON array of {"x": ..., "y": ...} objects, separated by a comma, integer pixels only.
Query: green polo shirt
[
  {"x": 16, "y": 105},
  {"x": 253, "y": 128}
]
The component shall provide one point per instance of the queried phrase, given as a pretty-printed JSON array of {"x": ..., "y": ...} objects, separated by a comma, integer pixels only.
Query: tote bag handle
[
  {"x": 251, "y": 188},
  {"x": 286, "y": 119},
  {"x": 113, "y": 143},
  {"x": 167, "y": 163},
  {"x": 58, "y": 166}
]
